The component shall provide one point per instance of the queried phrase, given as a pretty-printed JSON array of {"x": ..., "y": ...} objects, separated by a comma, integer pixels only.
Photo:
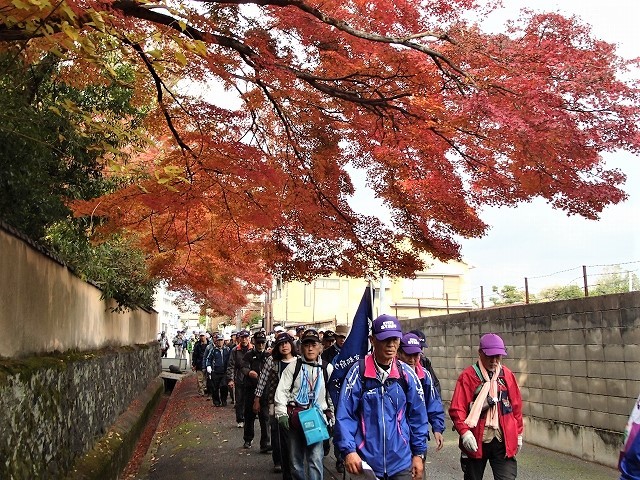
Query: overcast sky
[{"x": 535, "y": 241}]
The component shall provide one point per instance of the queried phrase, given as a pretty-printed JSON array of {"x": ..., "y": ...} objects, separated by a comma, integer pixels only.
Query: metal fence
[{"x": 576, "y": 282}]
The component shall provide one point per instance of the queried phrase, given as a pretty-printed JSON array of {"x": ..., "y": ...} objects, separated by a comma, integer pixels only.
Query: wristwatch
[
  {"x": 421, "y": 455},
  {"x": 491, "y": 401}
]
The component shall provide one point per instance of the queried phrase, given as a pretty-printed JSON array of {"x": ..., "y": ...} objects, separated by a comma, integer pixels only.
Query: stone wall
[
  {"x": 69, "y": 365},
  {"x": 54, "y": 408},
  {"x": 577, "y": 362}
]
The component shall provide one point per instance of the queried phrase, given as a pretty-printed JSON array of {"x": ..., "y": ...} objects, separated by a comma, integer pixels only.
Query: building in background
[
  {"x": 174, "y": 315},
  {"x": 333, "y": 300},
  {"x": 168, "y": 313}
]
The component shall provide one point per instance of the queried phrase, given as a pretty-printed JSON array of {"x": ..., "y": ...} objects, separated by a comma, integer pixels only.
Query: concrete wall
[
  {"x": 577, "y": 363},
  {"x": 44, "y": 307}
]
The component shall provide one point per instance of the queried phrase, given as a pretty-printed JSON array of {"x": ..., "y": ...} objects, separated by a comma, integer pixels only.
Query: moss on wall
[{"x": 53, "y": 407}]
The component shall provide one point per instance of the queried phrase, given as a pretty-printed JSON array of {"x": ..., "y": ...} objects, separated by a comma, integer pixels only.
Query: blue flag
[{"x": 355, "y": 346}]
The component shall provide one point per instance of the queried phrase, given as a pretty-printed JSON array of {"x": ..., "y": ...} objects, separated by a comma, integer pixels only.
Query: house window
[
  {"x": 423, "y": 288},
  {"x": 328, "y": 283}
]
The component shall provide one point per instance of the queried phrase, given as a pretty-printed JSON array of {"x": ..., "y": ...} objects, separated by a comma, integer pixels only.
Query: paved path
[{"x": 196, "y": 441}]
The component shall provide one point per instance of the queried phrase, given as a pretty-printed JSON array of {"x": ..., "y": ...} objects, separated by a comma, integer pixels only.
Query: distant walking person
[
  {"x": 177, "y": 344},
  {"x": 164, "y": 344},
  {"x": 235, "y": 376},
  {"x": 630, "y": 456},
  {"x": 197, "y": 362},
  {"x": 486, "y": 409},
  {"x": 217, "y": 361},
  {"x": 252, "y": 365}
]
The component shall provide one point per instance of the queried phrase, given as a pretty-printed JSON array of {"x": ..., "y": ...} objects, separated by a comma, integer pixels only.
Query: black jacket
[
  {"x": 253, "y": 360},
  {"x": 329, "y": 354},
  {"x": 217, "y": 359},
  {"x": 197, "y": 356},
  {"x": 234, "y": 367},
  {"x": 426, "y": 363}
]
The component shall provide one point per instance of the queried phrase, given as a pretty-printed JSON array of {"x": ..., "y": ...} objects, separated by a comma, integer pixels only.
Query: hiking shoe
[
  {"x": 240, "y": 424},
  {"x": 277, "y": 469},
  {"x": 266, "y": 449},
  {"x": 247, "y": 445}
]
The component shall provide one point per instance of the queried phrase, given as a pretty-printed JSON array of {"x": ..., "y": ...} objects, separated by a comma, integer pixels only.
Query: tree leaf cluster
[{"x": 259, "y": 111}]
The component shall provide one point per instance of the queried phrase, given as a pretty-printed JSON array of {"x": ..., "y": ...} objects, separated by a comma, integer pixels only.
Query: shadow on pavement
[{"x": 195, "y": 440}]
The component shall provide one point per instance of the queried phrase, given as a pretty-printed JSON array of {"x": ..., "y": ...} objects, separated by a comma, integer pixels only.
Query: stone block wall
[
  {"x": 577, "y": 363},
  {"x": 53, "y": 408}
]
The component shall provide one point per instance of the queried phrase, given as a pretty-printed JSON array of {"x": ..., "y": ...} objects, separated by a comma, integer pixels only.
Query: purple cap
[
  {"x": 386, "y": 326},
  {"x": 244, "y": 333},
  {"x": 410, "y": 344},
  {"x": 491, "y": 344}
]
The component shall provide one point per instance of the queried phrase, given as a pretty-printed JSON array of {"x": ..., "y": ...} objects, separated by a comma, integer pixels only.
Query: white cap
[{"x": 278, "y": 329}]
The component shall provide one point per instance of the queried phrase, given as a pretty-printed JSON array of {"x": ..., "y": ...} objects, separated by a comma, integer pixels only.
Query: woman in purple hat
[{"x": 486, "y": 409}]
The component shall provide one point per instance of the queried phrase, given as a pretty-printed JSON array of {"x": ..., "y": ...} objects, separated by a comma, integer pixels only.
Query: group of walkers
[
  {"x": 182, "y": 343},
  {"x": 388, "y": 407}
]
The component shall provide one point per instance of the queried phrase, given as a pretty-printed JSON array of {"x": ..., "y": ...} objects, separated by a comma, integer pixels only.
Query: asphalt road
[
  {"x": 534, "y": 463},
  {"x": 196, "y": 441}
]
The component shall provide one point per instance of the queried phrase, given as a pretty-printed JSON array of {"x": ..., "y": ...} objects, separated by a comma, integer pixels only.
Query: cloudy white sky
[{"x": 534, "y": 240}]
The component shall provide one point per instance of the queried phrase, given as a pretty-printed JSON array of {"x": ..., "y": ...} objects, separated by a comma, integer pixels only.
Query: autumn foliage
[{"x": 261, "y": 109}]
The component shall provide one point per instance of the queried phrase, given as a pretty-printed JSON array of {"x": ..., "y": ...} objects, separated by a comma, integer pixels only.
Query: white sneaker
[{"x": 240, "y": 424}]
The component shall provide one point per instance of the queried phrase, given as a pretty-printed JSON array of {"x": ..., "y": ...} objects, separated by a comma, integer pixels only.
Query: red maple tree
[{"x": 251, "y": 179}]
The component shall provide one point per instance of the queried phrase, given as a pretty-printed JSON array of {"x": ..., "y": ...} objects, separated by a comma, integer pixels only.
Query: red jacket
[{"x": 509, "y": 409}]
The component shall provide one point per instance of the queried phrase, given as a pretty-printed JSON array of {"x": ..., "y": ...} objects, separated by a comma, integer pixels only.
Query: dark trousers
[
  {"x": 403, "y": 475},
  {"x": 218, "y": 388},
  {"x": 250, "y": 418},
  {"x": 503, "y": 468},
  {"x": 280, "y": 444},
  {"x": 238, "y": 390}
]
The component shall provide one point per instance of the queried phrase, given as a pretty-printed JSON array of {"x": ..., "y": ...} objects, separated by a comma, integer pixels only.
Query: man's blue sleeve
[
  {"x": 435, "y": 409},
  {"x": 630, "y": 463},
  {"x": 416, "y": 412}
]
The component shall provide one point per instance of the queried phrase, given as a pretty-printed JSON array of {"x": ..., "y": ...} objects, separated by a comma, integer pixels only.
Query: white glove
[
  {"x": 519, "y": 444},
  {"x": 208, "y": 369},
  {"x": 469, "y": 441}
]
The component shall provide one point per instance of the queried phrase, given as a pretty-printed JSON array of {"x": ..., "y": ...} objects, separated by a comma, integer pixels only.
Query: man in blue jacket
[
  {"x": 630, "y": 456},
  {"x": 381, "y": 416},
  {"x": 217, "y": 361}
]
